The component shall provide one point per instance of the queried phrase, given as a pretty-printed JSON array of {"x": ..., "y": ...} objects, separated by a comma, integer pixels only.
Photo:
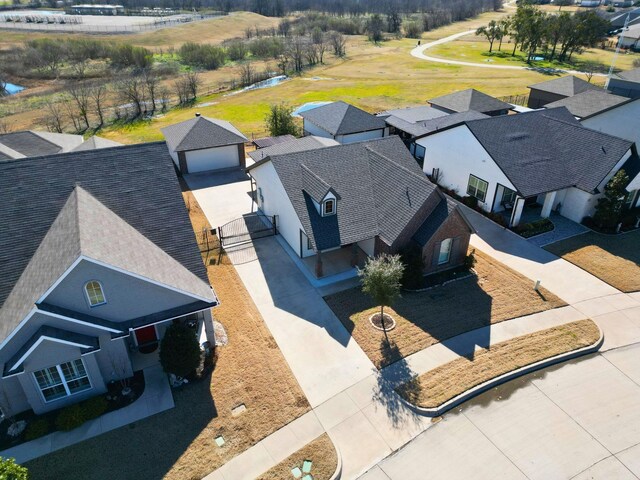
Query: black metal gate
[{"x": 247, "y": 228}]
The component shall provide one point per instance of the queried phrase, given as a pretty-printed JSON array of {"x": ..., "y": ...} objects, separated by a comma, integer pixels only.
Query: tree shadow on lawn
[
  {"x": 422, "y": 319},
  {"x": 146, "y": 449}
]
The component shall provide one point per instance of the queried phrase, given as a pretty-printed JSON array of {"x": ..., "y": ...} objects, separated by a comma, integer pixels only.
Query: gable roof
[
  {"x": 94, "y": 142},
  {"x": 434, "y": 125},
  {"x": 270, "y": 141},
  {"x": 470, "y": 99},
  {"x": 412, "y": 114},
  {"x": 136, "y": 183},
  {"x": 340, "y": 118},
  {"x": 567, "y": 86},
  {"x": 629, "y": 75},
  {"x": 589, "y": 103},
  {"x": 357, "y": 173},
  {"x": 295, "y": 145},
  {"x": 201, "y": 132},
  {"x": 541, "y": 151}
]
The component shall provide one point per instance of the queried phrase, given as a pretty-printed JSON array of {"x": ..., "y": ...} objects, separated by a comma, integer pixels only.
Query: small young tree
[
  {"x": 10, "y": 470},
  {"x": 492, "y": 32},
  {"x": 280, "y": 122},
  {"x": 381, "y": 280},
  {"x": 609, "y": 208},
  {"x": 179, "y": 350}
]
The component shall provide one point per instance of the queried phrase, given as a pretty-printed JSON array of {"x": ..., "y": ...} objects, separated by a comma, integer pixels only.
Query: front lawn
[
  {"x": 433, "y": 388},
  {"x": 614, "y": 259},
  {"x": 320, "y": 452},
  {"x": 425, "y": 318},
  {"x": 179, "y": 443}
]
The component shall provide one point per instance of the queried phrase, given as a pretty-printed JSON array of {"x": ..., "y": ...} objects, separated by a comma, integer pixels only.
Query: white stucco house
[
  {"x": 204, "y": 144},
  {"x": 545, "y": 157},
  {"x": 344, "y": 123}
]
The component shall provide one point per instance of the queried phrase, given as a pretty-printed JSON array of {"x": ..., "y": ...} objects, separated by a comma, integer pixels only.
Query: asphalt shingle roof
[
  {"x": 201, "y": 132},
  {"x": 589, "y": 103},
  {"x": 543, "y": 151},
  {"x": 131, "y": 197},
  {"x": 270, "y": 141},
  {"x": 470, "y": 99},
  {"x": 448, "y": 121},
  {"x": 295, "y": 145},
  {"x": 566, "y": 86},
  {"x": 29, "y": 144},
  {"x": 413, "y": 114},
  {"x": 434, "y": 221},
  {"x": 340, "y": 118},
  {"x": 379, "y": 184},
  {"x": 629, "y": 75},
  {"x": 94, "y": 143}
]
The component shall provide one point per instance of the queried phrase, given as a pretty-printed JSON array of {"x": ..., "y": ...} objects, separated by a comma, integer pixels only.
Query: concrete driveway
[{"x": 577, "y": 421}]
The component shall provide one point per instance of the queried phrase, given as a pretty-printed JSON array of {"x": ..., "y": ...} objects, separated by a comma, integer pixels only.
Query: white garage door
[{"x": 212, "y": 159}]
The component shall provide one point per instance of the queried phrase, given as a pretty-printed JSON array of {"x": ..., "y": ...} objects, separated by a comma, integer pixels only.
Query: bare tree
[
  {"x": 247, "y": 73},
  {"x": 283, "y": 63},
  {"x": 338, "y": 43},
  {"x": 186, "y": 87},
  {"x": 73, "y": 115},
  {"x": 193, "y": 82},
  {"x": 54, "y": 118},
  {"x": 4, "y": 126},
  {"x": 151, "y": 83},
  {"x": 296, "y": 49},
  {"x": 98, "y": 96},
  {"x": 81, "y": 95},
  {"x": 132, "y": 90},
  {"x": 3, "y": 88}
]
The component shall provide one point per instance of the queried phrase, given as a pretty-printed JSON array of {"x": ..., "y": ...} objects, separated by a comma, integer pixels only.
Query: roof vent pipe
[{"x": 197, "y": 114}]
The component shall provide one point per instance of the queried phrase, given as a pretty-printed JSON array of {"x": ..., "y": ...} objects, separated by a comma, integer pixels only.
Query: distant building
[
  {"x": 626, "y": 84},
  {"x": 96, "y": 9}
]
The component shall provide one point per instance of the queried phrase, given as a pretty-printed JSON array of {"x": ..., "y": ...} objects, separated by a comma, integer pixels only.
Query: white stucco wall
[
  {"x": 212, "y": 158},
  {"x": 578, "y": 204},
  {"x": 361, "y": 137},
  {"x": 276, "y": 202},
  {"x": 457, "y": 154},
  {"x": 623, "y": 122},
  {"x": 312, "y": 129}
]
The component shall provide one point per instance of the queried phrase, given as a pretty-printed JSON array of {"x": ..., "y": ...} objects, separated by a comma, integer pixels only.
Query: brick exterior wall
[{"x": 454, "y": 227}]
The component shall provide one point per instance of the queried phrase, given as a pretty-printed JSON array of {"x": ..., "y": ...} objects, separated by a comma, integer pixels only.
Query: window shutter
[
  {"x": 456, "y": 254},
  {"x": 436, "y": 254}
]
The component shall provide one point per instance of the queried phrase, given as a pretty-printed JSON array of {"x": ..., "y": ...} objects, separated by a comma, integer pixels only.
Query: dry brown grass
[
  {"x": 426, "y": 318},
  {"x": 320, "y": 451},
  {"x": 179, "y": 443},
  {"x": 441, "y": 384},
  {"x": 613, "y": 259}
]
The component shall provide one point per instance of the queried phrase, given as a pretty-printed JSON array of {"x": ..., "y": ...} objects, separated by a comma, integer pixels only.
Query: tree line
[{"x": 558, "y": 35}]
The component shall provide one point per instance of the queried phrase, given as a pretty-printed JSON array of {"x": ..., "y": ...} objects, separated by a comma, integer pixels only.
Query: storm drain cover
[{"x": 219, "y": 441}]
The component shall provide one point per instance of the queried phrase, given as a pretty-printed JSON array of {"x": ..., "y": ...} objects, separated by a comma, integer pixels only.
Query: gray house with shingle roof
[
  {"x": 343, "y": 122},
  {"x": 204, "y": 144},
  {"x": 94, "y": 265},
  {"x": 31, "y": 143},
  {"x": 364, "y": 198},
  {"x": 626, "y": 84},
  {"x": 471, "y": 99},
  {"x": 545, "y": 157},
  {"x": 540, "y": 94}
]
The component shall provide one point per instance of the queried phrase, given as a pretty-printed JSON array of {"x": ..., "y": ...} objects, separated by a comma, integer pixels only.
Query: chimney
[{"x": 197, "y": 114}]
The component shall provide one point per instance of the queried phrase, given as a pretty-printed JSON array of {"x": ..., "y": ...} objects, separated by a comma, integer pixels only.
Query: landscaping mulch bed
[
  {"x": 496, "y": 294},
  {"x": 433, "y": 388},
  {"x": 614, "y": 259},
  {"x": 322, "y": 455},
  {"x": 179, "y": 443}
]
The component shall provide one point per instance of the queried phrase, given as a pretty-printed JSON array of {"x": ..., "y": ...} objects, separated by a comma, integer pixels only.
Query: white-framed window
[
  {"x": 477, "y": 188},
  {"x": 309, "y": 246},
  {"x": 445, "y": 251},
  {"x": 329, "y": 207},
  {"x": 62, "y": 380},
  {"x": 95, "y": 293},
  {"x": 508, "y": 196},
  {"x": 629, "y": 199}
]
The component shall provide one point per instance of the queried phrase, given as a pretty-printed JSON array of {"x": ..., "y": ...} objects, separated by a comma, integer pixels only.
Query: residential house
[
  {"x": 292, "y": 146},
  {"x": 471, "y": 99},
  {"x": 270, "y": 141},
  {"x": 402, "y": 121},
  {"x": 357, "y": 201},
  {"x": 626, "y": 84},
  {"x": 343, "y": 122},
  {"x": 630, "y": 38},
  {"x": 204, "y": 144},
  {"x": 605, "y": 112},
  {"x": 29, "y": 143},
  {"x": 618, "y": 19},
  {"x": 553, "y": 90},
  {"x": 544, "y": 157},
  {"x": 97, "y": 258}
]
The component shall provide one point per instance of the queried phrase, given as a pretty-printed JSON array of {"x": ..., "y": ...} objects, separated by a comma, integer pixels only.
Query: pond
[
  {"x": 307, "y": 106},
  {"x": 269, "y": 82},
  {"x": 12, "y": 88}
]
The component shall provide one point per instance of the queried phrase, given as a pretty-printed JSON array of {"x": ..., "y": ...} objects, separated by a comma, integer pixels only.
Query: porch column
[
  {"x": 549, "y": 198},
  {"x": 319, "y": 272},
  {"x": 354, "y": 255},
  {"x": 517, "y": 212}
]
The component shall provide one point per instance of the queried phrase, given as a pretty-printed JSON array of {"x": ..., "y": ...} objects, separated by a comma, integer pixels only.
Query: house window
[
  {"x": 95, "y": 294},
  {"x": 62, "y": 380},
  {"x": 309, "y": 246},
  {"x": 420, "y": 151},
  {"x": 508, "y": 196},
  {"x": 329, "y": 207},
  {"x": 477, "y": 188},
  {"x": 445, "y": 251},
  {"x": 629, "y": 199}
]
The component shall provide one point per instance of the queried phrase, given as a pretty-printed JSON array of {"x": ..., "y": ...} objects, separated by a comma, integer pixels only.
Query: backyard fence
[{"x": 516, "y": 99}]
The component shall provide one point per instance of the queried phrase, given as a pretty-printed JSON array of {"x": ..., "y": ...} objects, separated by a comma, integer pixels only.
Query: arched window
[{"x": 94, "y": 292}]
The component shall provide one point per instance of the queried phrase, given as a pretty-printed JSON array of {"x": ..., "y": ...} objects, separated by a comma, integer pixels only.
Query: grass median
[{"x": 433, "y": 388}]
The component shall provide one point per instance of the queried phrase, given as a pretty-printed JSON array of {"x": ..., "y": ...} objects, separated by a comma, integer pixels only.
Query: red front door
[{"x": 146, "y": 335}]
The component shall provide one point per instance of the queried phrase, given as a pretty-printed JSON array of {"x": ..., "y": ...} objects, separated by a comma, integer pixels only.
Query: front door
[{"x": 146, "y": 338}]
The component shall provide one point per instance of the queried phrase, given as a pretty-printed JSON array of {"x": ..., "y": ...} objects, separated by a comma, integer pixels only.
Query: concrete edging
[
  {"x": 489, "y": 384},
  {"x": 338, "y": 473}
]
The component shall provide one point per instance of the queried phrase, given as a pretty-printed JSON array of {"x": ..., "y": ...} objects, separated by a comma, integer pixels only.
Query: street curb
[
  {"x": 338, "y": 473},
  {"x": 489, "y": 384}
]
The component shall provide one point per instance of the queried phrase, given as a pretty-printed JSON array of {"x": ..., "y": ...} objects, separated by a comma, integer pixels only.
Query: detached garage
[{"x": 205, "y": 144}]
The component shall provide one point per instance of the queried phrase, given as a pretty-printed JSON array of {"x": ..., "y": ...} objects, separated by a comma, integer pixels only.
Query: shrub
[
  {"x": 94, "y": 407},
  {"x": 469, "y": 201},
  {"x": 498, "y": 218},
  {"x": 280, "y": 122},
  {"x": 36, "y": 429},
  {"x": 470, "y": 260},
  {"x": 128, "y": 56},
  {"x": 237, "y": 50},
  {"x": 70, "y": 417},
  {"x": 413, "y": 274},
  {"x": 10, "y": 470},
  {"x": 208, "y": 57},
  {"x": 413, "y": 30},
  {"x": 179, "y": 350}
]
